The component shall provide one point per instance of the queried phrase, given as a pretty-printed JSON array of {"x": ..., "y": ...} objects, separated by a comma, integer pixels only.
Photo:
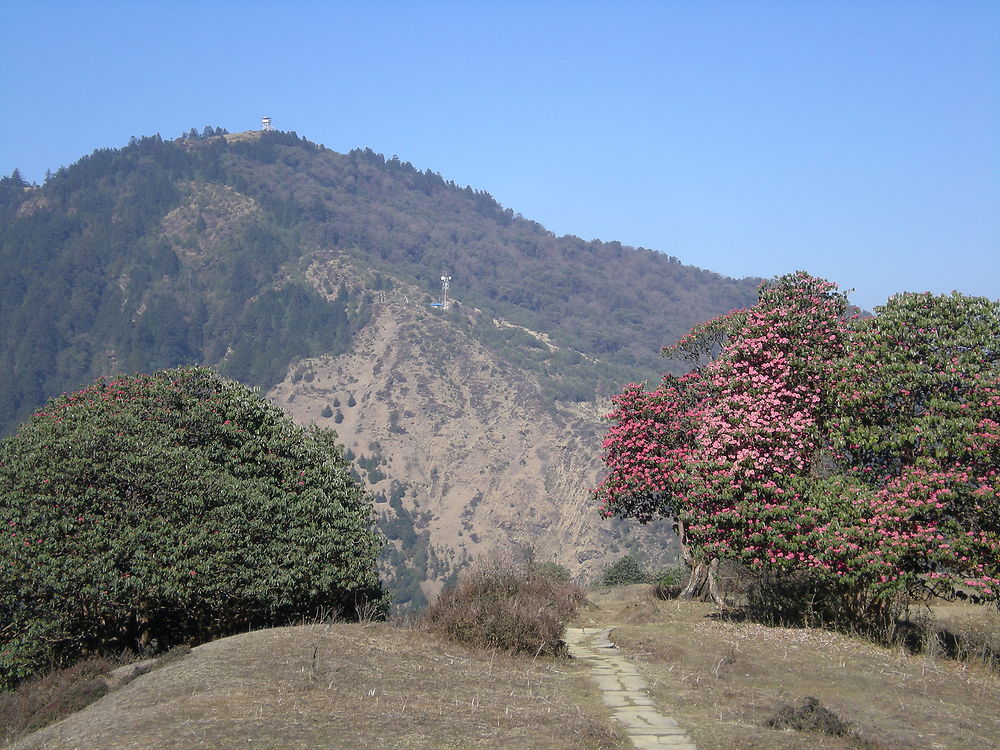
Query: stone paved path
[{"x": 624, "y": 691}]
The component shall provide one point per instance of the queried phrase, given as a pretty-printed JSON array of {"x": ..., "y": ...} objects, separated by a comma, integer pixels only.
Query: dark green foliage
[
  {"x": 512, "y": 268},
  {"x": 89, "y": 282},
  {"x": 176, "y": 507},
  {"x": 327, "y": 412},
  {"x": 506, "y": 605},
  {"x": 207, "y": 132},
  {"x": 404, "y": 573},
  {"x": 624, "y": 572},
  {"x": 804, "y": 599},
  {"x": 371, "y": 467},
  {"x": 400, "y": 526},
  {"x": 370, "y": 464},
  {"x": 263, "y": 345},
  {"x": 62, "y": 261},
  {"x": 405, "y": 560},
  {"x": 351, "y": 402},
  {"x": 13, "y": 192}
]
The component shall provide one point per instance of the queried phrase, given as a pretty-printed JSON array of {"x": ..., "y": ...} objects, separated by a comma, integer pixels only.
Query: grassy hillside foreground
[
  {"x": 339, "y": 686},
  {"x": 349, "y": 686}
]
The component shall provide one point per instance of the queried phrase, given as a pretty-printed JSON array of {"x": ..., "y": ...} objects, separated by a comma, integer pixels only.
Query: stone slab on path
[{"x": 623, "y": 691}]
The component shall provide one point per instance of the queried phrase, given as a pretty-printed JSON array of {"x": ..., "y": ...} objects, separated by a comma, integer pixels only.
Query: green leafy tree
[
  {"x": 178, "y": 507},
  {"x": 917, "y": 436},
  {"x": 15, "y": 180}
]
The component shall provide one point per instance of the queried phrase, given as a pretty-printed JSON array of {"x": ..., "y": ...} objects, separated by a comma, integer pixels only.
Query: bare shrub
[
  {"x": 801, "y": 600},
  {"x": 507, "y": 605},
  {"x": 971, "y": 645}
]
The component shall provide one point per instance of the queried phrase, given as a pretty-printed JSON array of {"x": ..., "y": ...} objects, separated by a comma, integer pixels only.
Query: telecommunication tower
[
  {"x": 265, "y": 123},
  {"x": 445, "y": 281}
]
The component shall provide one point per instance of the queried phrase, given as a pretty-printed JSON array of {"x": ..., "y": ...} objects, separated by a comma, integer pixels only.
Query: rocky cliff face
[{"x": 487, "y": 463}]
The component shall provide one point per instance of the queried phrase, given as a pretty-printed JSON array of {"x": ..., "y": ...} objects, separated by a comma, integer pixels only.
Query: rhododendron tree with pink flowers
[{"x": 861, "y": 453}]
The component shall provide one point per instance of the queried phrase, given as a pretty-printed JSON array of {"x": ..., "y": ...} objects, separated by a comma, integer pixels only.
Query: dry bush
[
  {"x": 47, "y": 699},
  {"x": 506, "y": 605},
  {"x": 801, "y": 600},
  {"x": 54, "y": 696},
  {"x": 970, "y": 645}
]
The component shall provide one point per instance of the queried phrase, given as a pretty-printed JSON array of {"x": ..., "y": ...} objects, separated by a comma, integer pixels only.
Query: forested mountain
[
  {"x": 165, "y": 252},
  {"x": 311, "y": 274}
]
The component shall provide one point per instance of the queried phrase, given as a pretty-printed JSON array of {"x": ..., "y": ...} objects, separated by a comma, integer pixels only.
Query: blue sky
[{"x": 857, "y": 140}]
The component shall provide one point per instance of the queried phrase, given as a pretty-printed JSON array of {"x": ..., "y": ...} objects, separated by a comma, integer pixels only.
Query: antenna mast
[{"x": 445, "y": 281}]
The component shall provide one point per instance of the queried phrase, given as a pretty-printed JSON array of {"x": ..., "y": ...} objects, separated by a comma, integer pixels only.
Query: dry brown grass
[
  {"x": 724, "y": 680},
  {"x": 350, "y": 686},
  {"x": 340, "y": 686}
]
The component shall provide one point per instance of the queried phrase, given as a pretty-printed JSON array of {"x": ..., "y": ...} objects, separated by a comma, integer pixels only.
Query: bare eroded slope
[{"x": 486, "y": 461}]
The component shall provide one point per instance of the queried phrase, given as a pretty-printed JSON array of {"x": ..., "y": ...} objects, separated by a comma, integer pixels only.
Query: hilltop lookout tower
[{"x": 265, "y": 123}]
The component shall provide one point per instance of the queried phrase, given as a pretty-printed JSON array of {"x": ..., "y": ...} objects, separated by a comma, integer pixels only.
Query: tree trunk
[{"x": 704, "y": 581}]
